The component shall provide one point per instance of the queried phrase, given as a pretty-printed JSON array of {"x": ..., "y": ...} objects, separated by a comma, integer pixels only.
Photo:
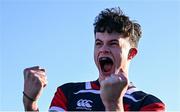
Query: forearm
[{"x": 30, "y": 105}]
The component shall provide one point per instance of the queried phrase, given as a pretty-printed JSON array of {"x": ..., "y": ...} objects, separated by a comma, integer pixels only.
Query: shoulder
[
  {"x": 72, "y": 86},
  {"x": 152, "y": 103},
  {"x": 139, "y": 100}
]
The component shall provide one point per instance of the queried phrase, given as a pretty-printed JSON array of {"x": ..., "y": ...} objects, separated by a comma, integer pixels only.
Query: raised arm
[{"x": 35, "y": 80}]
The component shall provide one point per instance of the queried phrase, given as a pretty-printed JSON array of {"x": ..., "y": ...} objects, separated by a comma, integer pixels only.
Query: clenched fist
[
  {"x": 112, "y": 90},
  {"x": 35, "y": 80}
]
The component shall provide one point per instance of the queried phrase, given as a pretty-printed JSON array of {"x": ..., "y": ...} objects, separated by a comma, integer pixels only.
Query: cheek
[
  {"x": 117, "y": 53},
  {"x": 118, "y": 57}
]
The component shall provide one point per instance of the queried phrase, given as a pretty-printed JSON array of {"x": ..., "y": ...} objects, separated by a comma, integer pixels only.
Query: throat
[{"x": 107, "y": 67}]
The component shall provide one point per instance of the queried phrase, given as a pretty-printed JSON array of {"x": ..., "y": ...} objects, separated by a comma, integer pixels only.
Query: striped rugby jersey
[{"x": 85, "y": 96}]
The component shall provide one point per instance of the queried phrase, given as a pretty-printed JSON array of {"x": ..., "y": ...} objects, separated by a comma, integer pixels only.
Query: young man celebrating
[{"x": 116, "y": 41}]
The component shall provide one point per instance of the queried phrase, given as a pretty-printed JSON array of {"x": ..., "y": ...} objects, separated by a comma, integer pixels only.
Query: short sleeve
[
  {"x": 152, "y": 103},
  {"x": 59, "y": 101}
]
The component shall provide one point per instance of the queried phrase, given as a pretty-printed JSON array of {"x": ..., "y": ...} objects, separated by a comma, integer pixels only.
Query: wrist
[
  {"x": 29, "y": 105},
  {"x": 114, "y": 106}
]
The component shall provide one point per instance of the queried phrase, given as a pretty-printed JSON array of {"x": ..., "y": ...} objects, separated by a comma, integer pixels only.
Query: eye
[
  {"x": 98, "y": 43},
  {"x": 114, "y": 44}
]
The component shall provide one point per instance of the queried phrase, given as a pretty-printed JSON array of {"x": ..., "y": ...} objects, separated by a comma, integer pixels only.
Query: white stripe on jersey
[
  {"x": 131, "y": 90},
  {"x": 88, "y": 91},
  {"x": 132, "y": 98},
  {"x": 98, "y": 92},
  {"x": 88, "y": 85},
  {"x": 54, "y": 108}
]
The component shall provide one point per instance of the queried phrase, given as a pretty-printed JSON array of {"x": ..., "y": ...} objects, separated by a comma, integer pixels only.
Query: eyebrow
[
  {"x": 114, "y": 40},
  {"x": 98, "y": 40}
]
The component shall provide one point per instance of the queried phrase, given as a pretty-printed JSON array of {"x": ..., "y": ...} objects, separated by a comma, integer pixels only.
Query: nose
[{"x": 104, "y": 50}]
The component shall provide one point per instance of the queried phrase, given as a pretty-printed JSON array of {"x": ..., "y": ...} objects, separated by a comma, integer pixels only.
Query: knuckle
[
  {"x": 43, "y": 74},
  {"x": 42, "y": 69}
]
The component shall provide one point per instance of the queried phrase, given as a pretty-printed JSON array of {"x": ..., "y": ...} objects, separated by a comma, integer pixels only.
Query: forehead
[{"x": 109, "y": 36}]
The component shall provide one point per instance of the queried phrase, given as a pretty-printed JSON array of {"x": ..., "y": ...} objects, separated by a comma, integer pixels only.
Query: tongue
[{"x": 107, "y": 67}]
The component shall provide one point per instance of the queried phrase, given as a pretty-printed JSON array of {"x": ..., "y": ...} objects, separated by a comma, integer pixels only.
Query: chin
[
  {"x": 106, "y": 74},
  {"x": 103, "y": 76}
]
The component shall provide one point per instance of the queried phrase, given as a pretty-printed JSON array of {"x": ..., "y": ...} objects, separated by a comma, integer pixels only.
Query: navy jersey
[{"x": 85, "y": 96}]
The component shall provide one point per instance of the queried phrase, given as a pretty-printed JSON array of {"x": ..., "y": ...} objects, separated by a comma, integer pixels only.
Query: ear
[{"x": 132, "y": 53}]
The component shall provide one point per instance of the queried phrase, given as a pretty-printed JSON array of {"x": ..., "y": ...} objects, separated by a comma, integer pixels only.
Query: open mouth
[{"x": 106, "y": 64}]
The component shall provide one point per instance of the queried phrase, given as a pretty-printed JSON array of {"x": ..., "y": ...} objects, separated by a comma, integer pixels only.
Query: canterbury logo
[{"x": 84, "y": 104}]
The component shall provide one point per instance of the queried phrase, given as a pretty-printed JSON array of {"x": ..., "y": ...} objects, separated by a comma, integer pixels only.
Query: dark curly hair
[{"x": 113, "y": 20}]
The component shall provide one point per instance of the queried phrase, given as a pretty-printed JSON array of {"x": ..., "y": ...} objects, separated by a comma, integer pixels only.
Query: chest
[{"x": 85, "y": 102}]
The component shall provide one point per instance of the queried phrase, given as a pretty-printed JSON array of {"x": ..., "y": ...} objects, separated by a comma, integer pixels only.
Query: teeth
[{"x": 104, "y": 58}]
